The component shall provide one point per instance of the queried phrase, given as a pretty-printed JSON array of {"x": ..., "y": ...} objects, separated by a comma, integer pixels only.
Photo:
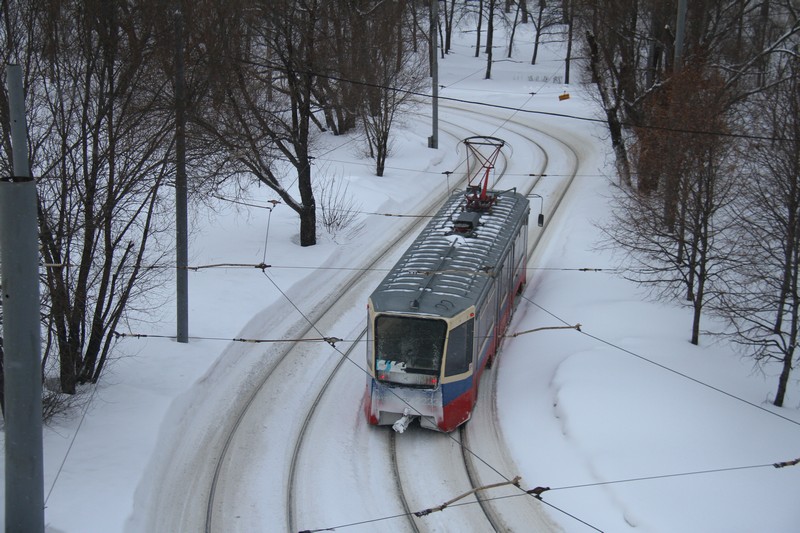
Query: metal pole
[
  {"x": 22, "y": 363},
  {"x": 433, "y": 141},
  {"x": 181, "y": 201}
]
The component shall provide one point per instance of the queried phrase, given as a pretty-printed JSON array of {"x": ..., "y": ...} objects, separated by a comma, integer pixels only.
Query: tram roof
[{"x": 443, "y": 272}]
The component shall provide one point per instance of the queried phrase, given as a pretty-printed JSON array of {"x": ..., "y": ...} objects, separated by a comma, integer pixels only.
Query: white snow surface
[{"x": 632, "y": 427}]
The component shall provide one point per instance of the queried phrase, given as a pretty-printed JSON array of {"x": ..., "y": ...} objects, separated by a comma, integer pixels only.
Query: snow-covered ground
[{"x": 630, "y": 425}]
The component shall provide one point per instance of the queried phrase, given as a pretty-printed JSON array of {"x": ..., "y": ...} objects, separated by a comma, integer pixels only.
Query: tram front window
[{"x": 406, "y": 346}]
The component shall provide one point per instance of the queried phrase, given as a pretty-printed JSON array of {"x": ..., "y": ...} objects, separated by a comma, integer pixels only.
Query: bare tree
[
  {"x": 545, "y": 18},
  {"x": 100, "y": 143},
  {"x": 681, "y": 257},
  {"x": 264, "y": 114},
  {"x": 612, "y": 103},
  {"x": 449, "y": 17},
  {"x": 630, "y": 47},
  {"x": 569, "y": 15},
  {"x": 762, "y": 300},
  {"x": 394, "y": 75},
  {"x": 479, "y": 29},
  {"x": 345, "y": 60},
  {"x": 490, "y": 14},
  {"x": 513, "y": 31}
]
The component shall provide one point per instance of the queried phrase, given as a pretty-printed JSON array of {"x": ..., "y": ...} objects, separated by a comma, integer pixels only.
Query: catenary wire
[
  {"x": 668, "y": 369},
  {"x": 333, "y": 340},
  {"x": 278, "y": 67},
  {"x": 71, "y": 443}
]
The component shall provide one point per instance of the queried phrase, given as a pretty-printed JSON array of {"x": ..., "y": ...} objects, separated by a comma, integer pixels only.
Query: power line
[
  {"x": 532, "y": 111},
  {"x": 668, "y": 369},
  {"x": 72, "y": 441},
  {"x": 332, "y": 341},
  {"x": 538, "y": 491}
]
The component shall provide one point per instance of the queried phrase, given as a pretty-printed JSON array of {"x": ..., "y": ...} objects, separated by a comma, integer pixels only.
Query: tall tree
[
  {"x": 394, "y": 74},
  {"x": 680, "y": 255},
  {"x": 763, "y": 296},
  {"x": 490, "y": 13},
  {"x": 479, "y": 29},
  {"x": 546, "y": 17},
  {"x": 629, "y": 48},
  {"x": 449, "y": 17},
  {"x": 264, "y": 115},
  {"x": 101, "y": 141}
]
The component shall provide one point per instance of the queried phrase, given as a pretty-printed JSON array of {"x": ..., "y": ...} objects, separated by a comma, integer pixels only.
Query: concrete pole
[
  {"x": 22, "y": 362},
  {"x": 433, "y": 141},
  {"x": 181, "y": 194}
]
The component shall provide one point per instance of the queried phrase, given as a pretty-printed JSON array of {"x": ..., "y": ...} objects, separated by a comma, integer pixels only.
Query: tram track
[
  {"x": 277, "y": 383},
  {"x": 211, "y": 457},
  {"x": 486, "y": 514},
  {"x": 407, "y": 492},
  {"x": 482, "y": 437},
  {"x": 408, "y": 499},
  {"x": 216, "y": 514},
  {"x": 234, "y": 465}
]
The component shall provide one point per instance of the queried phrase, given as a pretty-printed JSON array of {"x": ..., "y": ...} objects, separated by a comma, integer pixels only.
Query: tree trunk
[
  {"x": 567, "y": 60},
  {"x": 783, "y": 380},
  {"x": 513, "y": 32},
  {"x": 537, "y": 38},
  {"x": 614, "y": 124},
  {"x": 480, "y": 24},
  {"x": 489, "y": 39}
]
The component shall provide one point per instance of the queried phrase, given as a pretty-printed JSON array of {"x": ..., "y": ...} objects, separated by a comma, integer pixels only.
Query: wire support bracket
[
  {"x": 784, "y": 464},
  {"x": 330, "y": 340},
  {"x": 576, "y": 327},
  {"x": 442, "y": 507},
  {"x": 261, "y": 266}
]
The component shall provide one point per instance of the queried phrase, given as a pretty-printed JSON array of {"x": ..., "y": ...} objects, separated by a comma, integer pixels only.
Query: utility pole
[
  {"x": 680, "y": 31},
  {"x": 22, "y": 362},
  {"x": 181, "y": 194},
  {"x": 433, "y": 140}
]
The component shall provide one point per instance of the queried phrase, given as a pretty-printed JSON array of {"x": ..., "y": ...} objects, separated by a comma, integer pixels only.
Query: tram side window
[
  {"x": 502, "y": 286},
  {"x": 519, "y": 249},
  {"x": 459, "y": 349}
]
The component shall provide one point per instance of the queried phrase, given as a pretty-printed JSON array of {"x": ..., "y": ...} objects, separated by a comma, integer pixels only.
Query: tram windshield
[{"x": 409, "y": 350}]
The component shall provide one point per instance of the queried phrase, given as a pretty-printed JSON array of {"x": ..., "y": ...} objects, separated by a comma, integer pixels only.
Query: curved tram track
[
  {"x": 428, "y": 479},
  {"x": 483, "y": 455},
  {"x": 234, "y": 461},
  {"x": 421, "y": 481}
]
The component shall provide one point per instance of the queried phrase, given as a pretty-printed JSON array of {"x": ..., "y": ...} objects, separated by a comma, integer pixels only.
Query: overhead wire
[
  {"x": 333, "y": 340},
  {"x": 595, "y": 120},
  {"x": 538, "y": 491},
  {"x": 665, "y": 367},
  {"x": 71, "y": 444}
]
